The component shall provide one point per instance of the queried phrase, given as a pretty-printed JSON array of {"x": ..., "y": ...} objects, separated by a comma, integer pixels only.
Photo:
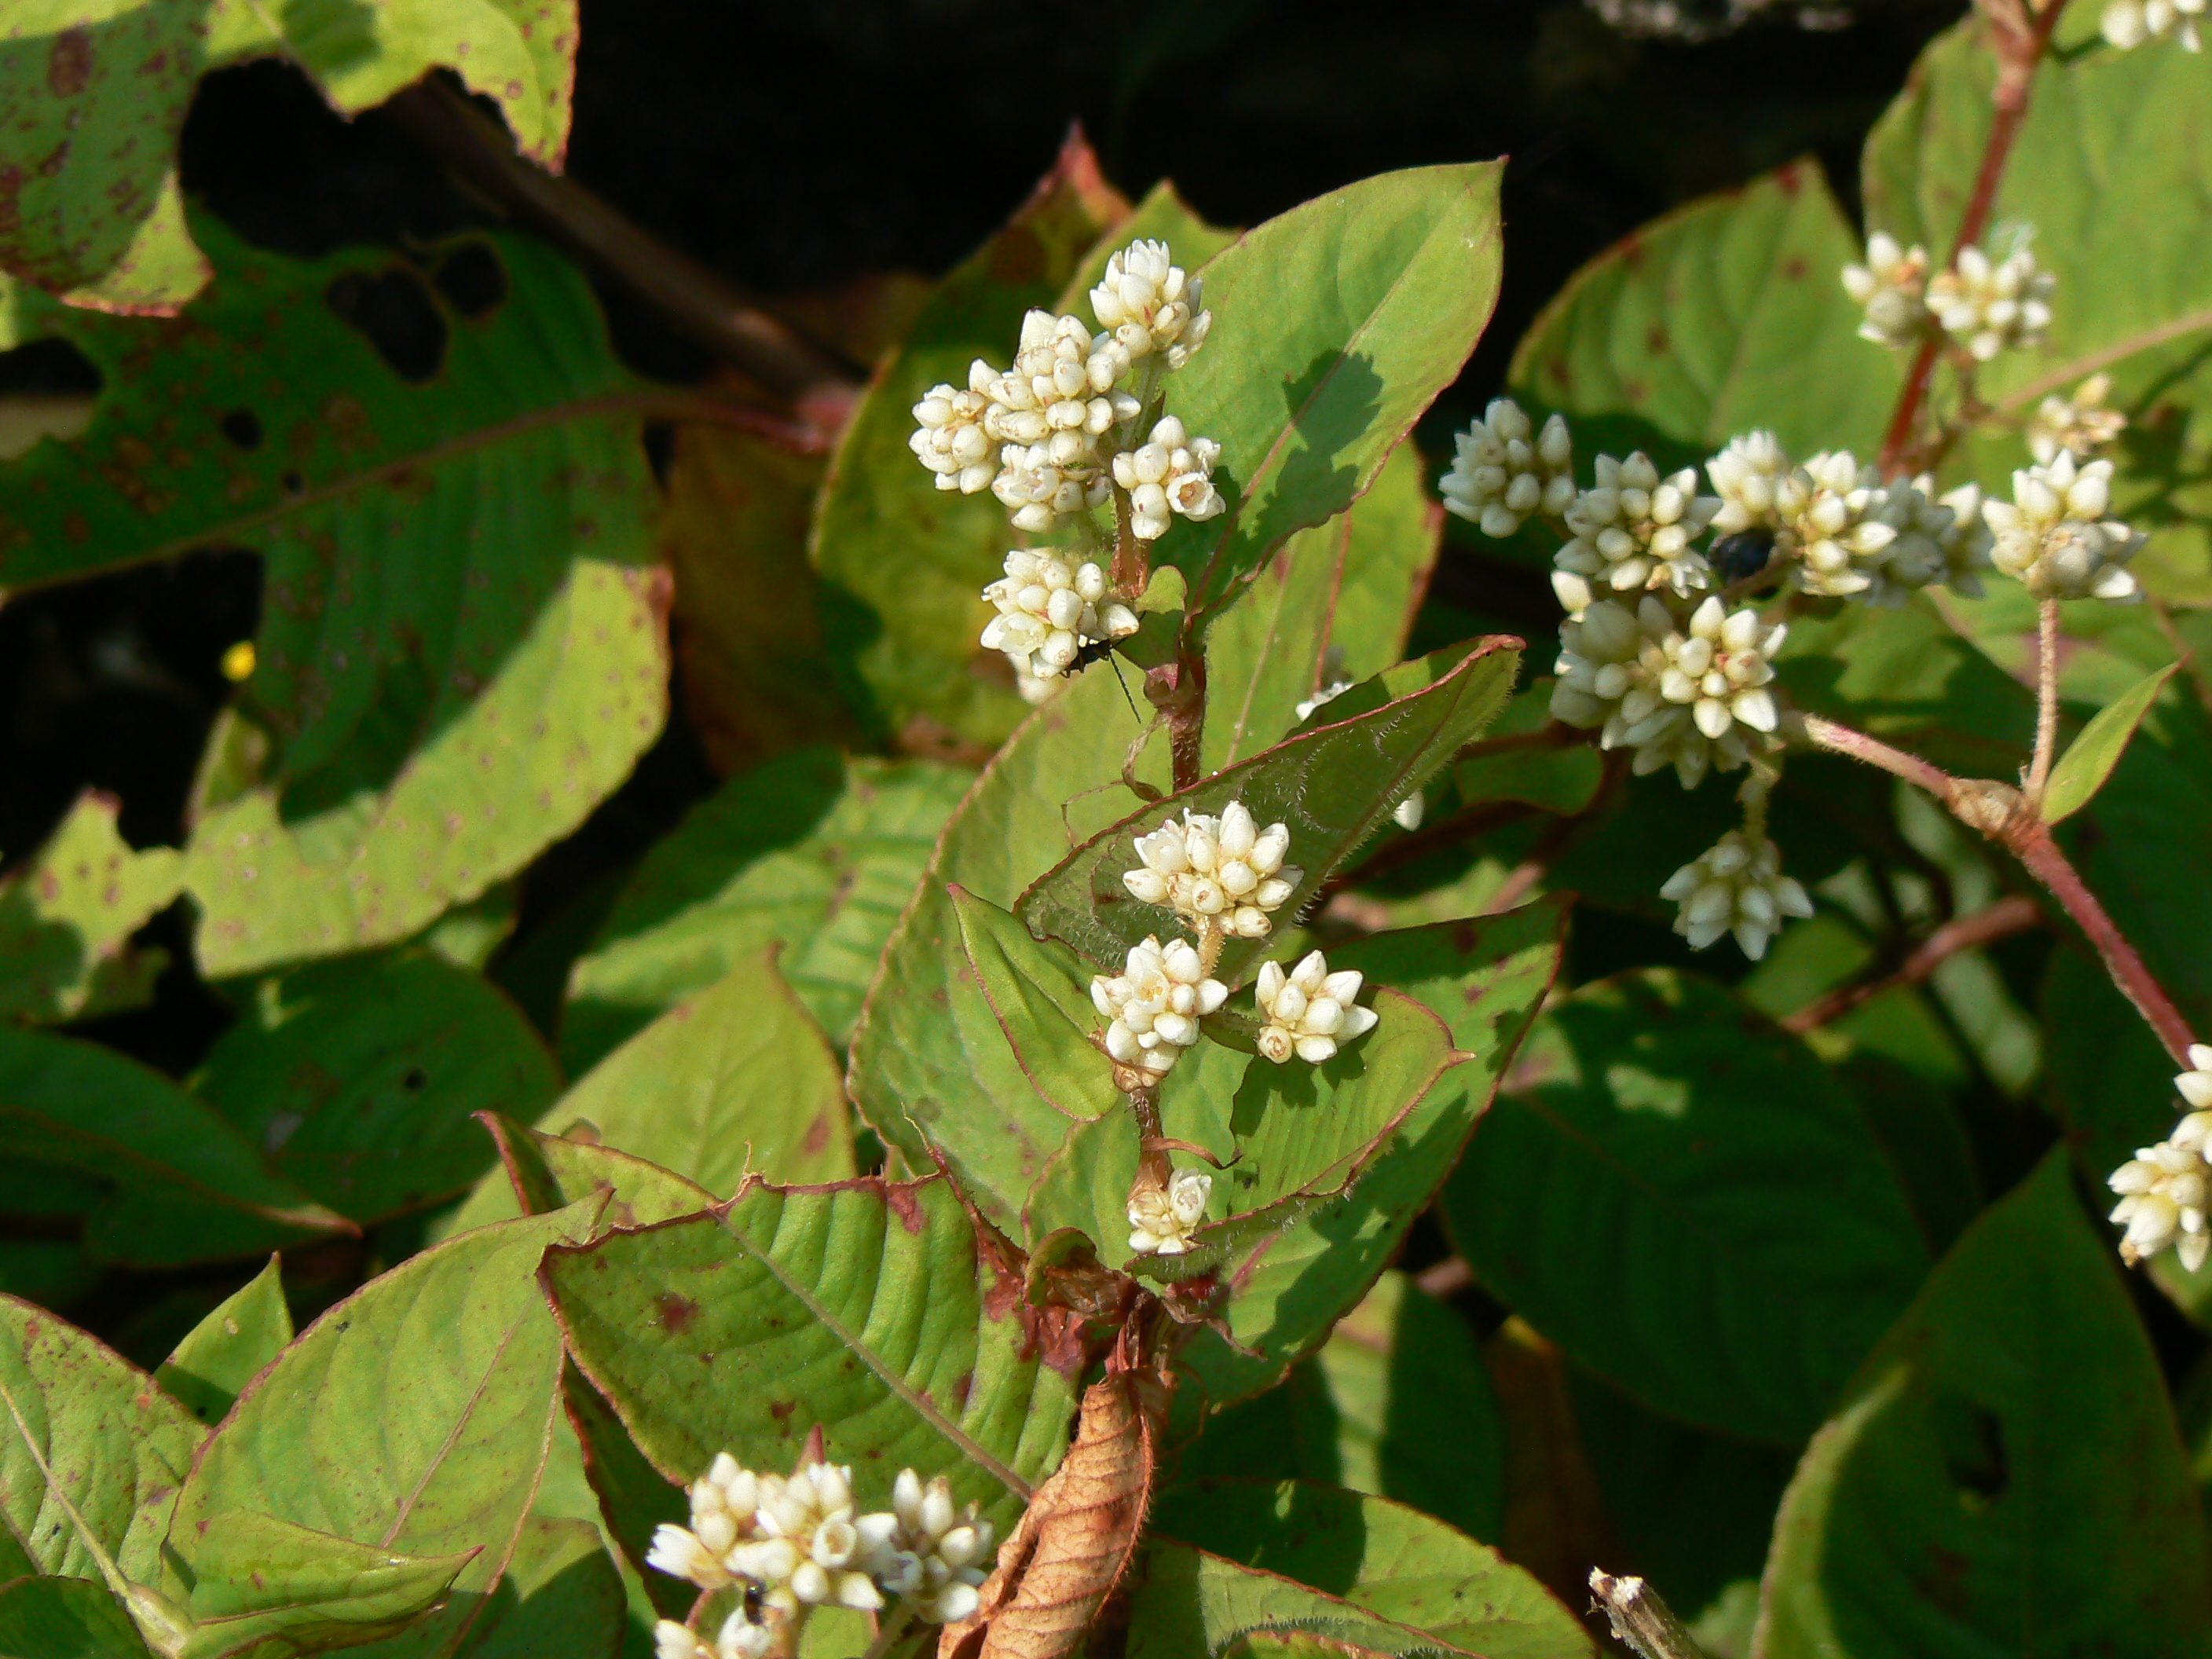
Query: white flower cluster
[
  {"x": 1308, "y": 1010},
  {"x": 1850, "y": 534},
  {"x": 2081, "y": 424},
  {"x": 1049, "y": 611},
  {"x": 2054, "y": 537},
  {"x": 1735, "y": 886},
  {"x": 2165, "y": 1190},
  {"x": 1147, "y": 305},
  {"x": 1988, "y": 305},
  {"x": 1163, "y": 1219},
  {"x": 1500, "y": 474},
  {"x": 927, "y": 1551},
  {"x": 1691, "y": 696},
  {"x": 1153, "y": 1005},
  {"x": 1633, "y": 531},
  {"x": 1892, "y": 286},
  {"x": 2130, "y": 22},
  {"x": 1218, "y": 874},
  {"x": 1169, "y": 472},
  {"x": 796, "y": 1544}
]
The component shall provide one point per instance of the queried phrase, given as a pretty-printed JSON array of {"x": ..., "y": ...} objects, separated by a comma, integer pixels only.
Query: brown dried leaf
[{"x": 1075, "y": 1540}]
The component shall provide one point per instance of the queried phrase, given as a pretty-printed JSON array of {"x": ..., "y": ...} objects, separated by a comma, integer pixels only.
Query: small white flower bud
[
  {"x": 1737, "y": 886},
  {"x": 1308, "y": 1011},
  {"x": 1163, "y": 1219}
]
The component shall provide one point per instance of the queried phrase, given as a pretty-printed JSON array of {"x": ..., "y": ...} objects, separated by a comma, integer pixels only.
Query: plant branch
[
  {"x": 891, "y": 1629},
  {"x": 2014, "y": 914},
  {"x": 819, "y": 385},
  {"x": 2046, "y": 702},
  {"x": 2063, "y": 376},
  {"x": 2019, "y": 45},
  {"x": 2003, "y": 814}
]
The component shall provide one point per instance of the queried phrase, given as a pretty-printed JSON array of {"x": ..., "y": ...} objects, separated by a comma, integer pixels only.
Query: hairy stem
[
  {"x": 892, "y": 1627},
  {"x": 2016, "y": 912},
  {"x": 2003, "y": 814},
  {"x": 2018, "y": 49},
  {"x": 2046, "y": 702}
]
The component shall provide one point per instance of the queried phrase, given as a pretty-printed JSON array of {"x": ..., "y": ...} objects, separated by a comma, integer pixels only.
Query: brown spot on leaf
[
  {"x": 902, "y": 1202},
  {"x": 780, "y": 1409},
  {"x": 675, "y": 1312},
  {"x": 1654, "y": 340},
  {"x": 69, "y": 62},
  {"x": 818, "y": 1135}
]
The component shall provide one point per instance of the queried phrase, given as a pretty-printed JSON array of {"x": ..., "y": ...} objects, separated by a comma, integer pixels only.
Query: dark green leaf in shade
[
  {"x": 266, "y": 1589},
  {"x": 1488, "y": 975},
  {"x": 1333, "y": 603},
  {"x": 224, "y": 1350},
  {"x": 561, "y": 1595},
  {"x": 1360, "y": 1575},
  {"x": 1685, "y": 1200},
  {"x": 1334, "y": 325},
  {"x": 1723, "y": 317},
  {"x": 91, "y": 1454},
  {"x": 182, "y": 1185},
  {"x": 2004, "y": 1475},
  {"x": 412, "y": 1417},
  {"x": 814, "y": 849},
  {"x": 1563, "y": 778},
  {"x": 628, "y": 1495},
  {"x": 65, "y": 1619},
  {"x": 462, "y": 649},
  {"x": 1694, "y": 1510},
  {"x": 931, "y": 1071},
  {"x": 2089, "y": 759},
  {"x": 1395, "y": 1403},
  {"x": 1334, "y": 785},
  {"x": 870, "y": 1308},
  {"x": 66, "y": 919},
  {"x": 903, "y": 563},
  {"x": 360, "y": 1077}
]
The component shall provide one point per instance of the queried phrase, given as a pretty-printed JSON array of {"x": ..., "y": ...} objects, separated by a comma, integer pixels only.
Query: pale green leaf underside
[{"x": 2089, "y": 759}]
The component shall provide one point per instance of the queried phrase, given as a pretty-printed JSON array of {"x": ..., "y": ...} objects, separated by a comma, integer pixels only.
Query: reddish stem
[
  {"x": 2018, "y": 51},
  {"x": 2015, "y": 913},
  {"x": 2005, "y": 815}
]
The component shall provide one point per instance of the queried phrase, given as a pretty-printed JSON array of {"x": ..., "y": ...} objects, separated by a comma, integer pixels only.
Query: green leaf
[
  {"x": 99, "y": 100},
  {"x": 1979, "y": 1449},
  {"x": 1905, "y": 676},
  {"x": 870, "y": 1308},
  {"x": 65, "y": 1619},
  {"x": 1303, "y": 1136},
  {"x": 931, "y": 1070},
  {"x": 1334, "y": 785},
  {"x": 359, "y": 1077},
  {"x": 412, "y": 1417},
  {"x": 1363, "y": 1574},
  {"x": 734, "y": 1081},
  {"x": 267, "y": 1590},
  {"x": 2089, "y": 759},
  {"x": 555, "y": 1170},
  {"x": 1490, "y": 974},
  {"x": 67, "y": 917},
  {"x": 2144, "y": 317},
  {"x": 1685, "y": 1201},
  {"x": 813, "y": 849},
  {"x": 183, "y": 1185},
  {"x": 1334, "y": 325},
  {"x": 1041, "y": 996},
  {"x": 224, "y": 1351},
  {"x": 905, "y": 563},
  {"x": 462, "y": 649},
  {"x": 1334, "y": 603},
  {"x": 91, "y": 1454},
  {"x": 1693, "y": 1511},
  {"x": 627, "y": 1493},
  {"x": 1395, "y": 1403},
  {"x": 561, "y": 1595},
  {"x": 1720, "y": 318},
  {"x": 1564, "y": 779}
]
